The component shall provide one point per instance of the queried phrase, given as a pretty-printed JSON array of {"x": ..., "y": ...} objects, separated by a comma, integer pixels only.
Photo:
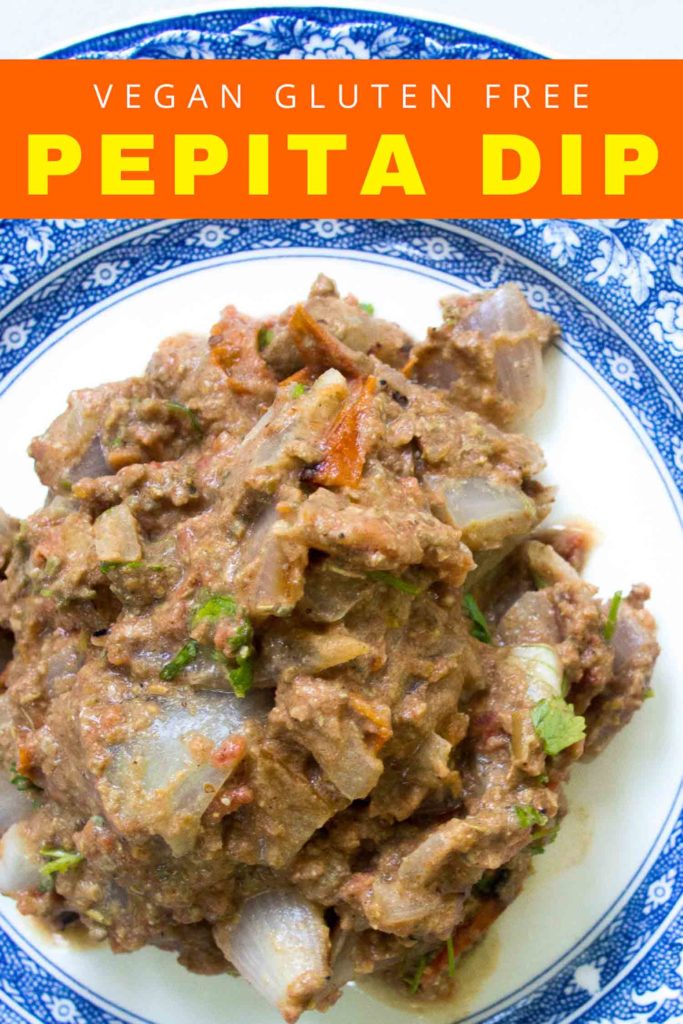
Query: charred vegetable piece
[{"x": 348, "y": 443}]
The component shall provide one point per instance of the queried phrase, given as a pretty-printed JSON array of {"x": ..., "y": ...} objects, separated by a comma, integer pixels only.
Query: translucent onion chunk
[
  {"x": 504, "y": 310},
  {"x": 15, "y": 805},
  {"x": 518, "y": 355},
  {"x": 542, "y": 668},
  {"x": 487, "y": 513},
  {"x": 162, "y": 778},
  {"x": 116, "y": 535},
  {"x": 19, "y": 862},
  {"x": 281, "y": 946}
]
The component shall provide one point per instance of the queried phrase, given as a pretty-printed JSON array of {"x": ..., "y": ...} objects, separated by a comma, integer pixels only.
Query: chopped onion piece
[
  {"x": 542, "y": 668},
  {"x": 116, "y": 535},
  {"x": 303, "y": 423},
  {"x": 630, "y": 639},
  {"x": 164, "y": 776},
  {"x": 400, "y": 909},
  {"x": 518, "y": 352},
  {"x": 271, "y": 576},
  {"x": 93, "y": 461},
  {"x": 504, "y": 310},
  {"x": 519, "y": 376},
  {"x": 19, "y": 862},
  {"x": 486, "y": 513},
  {"x": 280, "y": 945},
  {"x": 15, "y": 805},
  {"x": 329, "y": 595}
]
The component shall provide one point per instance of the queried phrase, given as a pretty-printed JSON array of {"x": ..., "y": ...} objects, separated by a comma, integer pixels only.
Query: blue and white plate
[{"x": 597, "y": 935}]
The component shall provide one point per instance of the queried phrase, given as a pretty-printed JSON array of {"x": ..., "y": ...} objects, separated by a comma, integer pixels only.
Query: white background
[{"x": 563, "y": 28}]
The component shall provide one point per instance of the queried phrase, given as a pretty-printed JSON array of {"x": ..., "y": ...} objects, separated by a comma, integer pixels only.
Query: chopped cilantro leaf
[
  {"x": 59, "y": 861},
  {"x": 136, "y": 566},
  {"x": 611, "y": 624},
  {"x": 543, "y": 837},
  {"x": 215, "y": 607},
  {"x": 192, "y": 416},
  {"x": 243, "y": 636},
  {"x": 218, "y": 606},
  {"x": 264, "y": 338},
  {"x": 389, "y": 580},
  {"x": 52, "y": 565},
  {"x": 368, "y": 307},
  {"x": 297, "y": 389},
  {"x": 175, "y": 666},
  {"x": 415, "y": 980},
  {"x": 528, "y": 816},
  {"x": 649, "y": 693},
  {"x": 241, "y": 677},
  {"x": 480, "y": 627},
  {"x": 539, "y": 582},
  {"x": 107, "y": 567},
  {"x": 556, "y": 724},
  {"x": 22, "y": 782},
  {"x": 450, "y": 953}
]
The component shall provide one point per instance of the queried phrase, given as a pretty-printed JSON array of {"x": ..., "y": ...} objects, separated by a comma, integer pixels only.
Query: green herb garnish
[
  {"x": 490, "y": 881},
  {"x": 542, "y": 838},
  {"x": 264, "y": 338},
  {"x": 183, "y": 658},
  {"x": 22, "y": 782},
  {"x": 480, "y": 627},
  {"x": 450, "y": 952},
  {"x": 539, "y": 582},
  {"x": 528, "y": 816},
  {"x": 556, "y": 724},
  {"x": 59, "y": 861},
  {"x": 107, "y": 567},
  {"x": 649, "y": 693},
  {"x": 297, "y": 389},
  {"x": 215, "y": 607},
  {"x": 368, "y": 307},
  {"x": 611, "y": 624},
  {"x": 242, "y": 677},
  {"x": 192, "y": 416},
  {"x": 389, "y": 580},
  {"x": 415, "y": 980}
]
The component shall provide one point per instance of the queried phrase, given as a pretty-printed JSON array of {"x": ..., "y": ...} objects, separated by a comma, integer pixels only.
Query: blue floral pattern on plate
[{"x": 615, "y": 286}]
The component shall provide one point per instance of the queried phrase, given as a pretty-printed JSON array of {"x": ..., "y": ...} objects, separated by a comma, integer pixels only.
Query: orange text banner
[{"x": 341, "y": 138}]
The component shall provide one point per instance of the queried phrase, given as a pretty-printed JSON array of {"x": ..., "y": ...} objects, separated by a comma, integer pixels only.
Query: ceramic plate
[{"x": 597, "y": 935}]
